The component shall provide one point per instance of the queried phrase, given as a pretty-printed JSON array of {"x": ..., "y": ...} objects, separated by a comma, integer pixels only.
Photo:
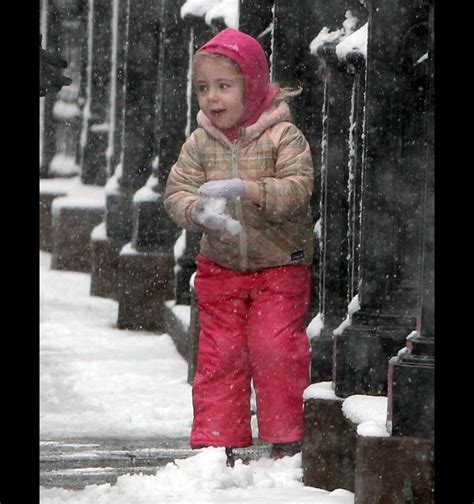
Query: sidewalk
[
  {"x": 77, "y": 462},
  {"x": 116, "y": 415}
]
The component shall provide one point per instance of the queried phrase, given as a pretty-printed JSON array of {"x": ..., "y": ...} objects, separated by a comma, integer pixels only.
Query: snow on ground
[
  {"x": 96, "y": 380},
  {"x": 204, "y": 477},
  {"x": 99, "y": 381}
]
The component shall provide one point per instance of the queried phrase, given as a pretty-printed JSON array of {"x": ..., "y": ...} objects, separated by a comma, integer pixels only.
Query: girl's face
[{"x": 219, "y": 86}]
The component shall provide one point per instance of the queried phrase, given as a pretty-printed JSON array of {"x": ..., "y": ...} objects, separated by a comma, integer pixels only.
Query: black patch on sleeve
[{"x": 299, "y": 254}]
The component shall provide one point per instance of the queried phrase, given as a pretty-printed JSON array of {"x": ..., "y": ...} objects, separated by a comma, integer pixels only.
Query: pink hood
[{"x": 250, "y": 56}]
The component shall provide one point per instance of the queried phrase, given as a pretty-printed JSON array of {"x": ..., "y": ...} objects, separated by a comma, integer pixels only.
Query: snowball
[{"x": 216, "y": 208}]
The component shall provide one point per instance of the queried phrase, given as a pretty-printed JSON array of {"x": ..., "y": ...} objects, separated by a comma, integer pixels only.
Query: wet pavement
[{"x": 74, "y": 463}]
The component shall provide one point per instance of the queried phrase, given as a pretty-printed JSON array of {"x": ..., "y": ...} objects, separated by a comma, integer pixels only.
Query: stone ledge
[
  {"x": 177, "y": 328},
  {"x": 329, "y": 446},
  {"x": 146, "y": 281},
  {"x": 395, "y": 470},
  {"x": 376, "y": 467},
  {"x": 71, "y": 230},
  {"x": 105, "y": 254},
  {"x": 45, "y": 217}
]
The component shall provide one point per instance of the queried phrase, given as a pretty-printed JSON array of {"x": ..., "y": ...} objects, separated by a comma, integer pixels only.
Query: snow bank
[{"x": 205, "y": 478}]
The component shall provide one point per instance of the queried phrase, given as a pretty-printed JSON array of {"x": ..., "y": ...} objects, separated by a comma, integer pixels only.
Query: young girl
[{"x": 253, "y": 281}]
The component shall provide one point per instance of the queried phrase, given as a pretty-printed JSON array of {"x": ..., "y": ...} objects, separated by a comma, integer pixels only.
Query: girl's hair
[
  {"x": 220, "y": 57},
  {"x": 283, "y": 94},
  {"x": 286, "y": 93}
]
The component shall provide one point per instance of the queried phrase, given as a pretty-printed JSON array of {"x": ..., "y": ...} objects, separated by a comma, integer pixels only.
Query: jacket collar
[{"x": 272, "y": 116}]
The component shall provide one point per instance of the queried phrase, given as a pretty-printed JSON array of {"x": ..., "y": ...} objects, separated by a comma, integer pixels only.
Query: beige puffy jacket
[{"x": 272, "y": 152}]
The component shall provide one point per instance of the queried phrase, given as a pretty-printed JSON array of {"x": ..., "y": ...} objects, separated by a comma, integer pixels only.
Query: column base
[
  {"x": 45, "y": 215},
  {"x": 396, "y": 470},
  {"x": 329, "y": 446},
  {"x": 71, "y": 232},
  {"x": 104, "y": 264},
  {"x": 146, "y": 281},
  {"x": 321, "y": 359},
  {"x": 175, "y": 327},
  {"x": 361, "y": 355},
  {"x": 411, "y": 396}
]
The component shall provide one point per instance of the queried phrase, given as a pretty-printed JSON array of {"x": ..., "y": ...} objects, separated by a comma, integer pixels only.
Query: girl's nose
[{"x": 212, "y": 95}]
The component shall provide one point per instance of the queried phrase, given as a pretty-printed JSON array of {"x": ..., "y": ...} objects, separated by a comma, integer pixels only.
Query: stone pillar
[
  {"x": 95, "y": 125},
  {"x": 391, "y": 197},
  {"x": 333, "y": 253},
  {"x": 141, "y": 55},
  {"x": 63, "y": 27},
  {"x": 130, "y": 137},
  {"x": 256, "y": 19},
  {"x": 46, "y": 218},
  {"x": 49, "y": 31},
  {"x": 108, "y": 239},
  {"x": 119, "y": 20},
  {"x": 292, "y": 65},
  {"x": 187, "y": 266},
  {"x": 323, "y": 113},
  {"x": 411, "y": 373},
  {"x": 154, "y": 234},
  {"x": 138, "y": 150},
  {"x": 197, "y": 32}
]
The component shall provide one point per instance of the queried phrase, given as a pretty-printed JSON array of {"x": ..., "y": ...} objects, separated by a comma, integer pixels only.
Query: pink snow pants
[{"x": 251, "y": 327}]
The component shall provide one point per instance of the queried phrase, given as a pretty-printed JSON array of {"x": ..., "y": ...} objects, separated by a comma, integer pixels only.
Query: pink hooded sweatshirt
[{"x": 252, "y": 61}]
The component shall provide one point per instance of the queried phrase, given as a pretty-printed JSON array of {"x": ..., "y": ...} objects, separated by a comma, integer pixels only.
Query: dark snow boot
[
  {"x": 280, "y": 450},
  {"x": 230, "y": 457}
]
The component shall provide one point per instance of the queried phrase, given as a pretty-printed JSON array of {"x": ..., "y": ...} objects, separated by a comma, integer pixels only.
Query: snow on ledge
[
  {"x": 182, "y": 312},
  {"x": 314, "y": 327},
  {"x": 76, "y": 202},
  {"x": 320, "y": 390},
  {"x": 59, "y": 184},
  {"x": 212, "y": 9},
  {"x": 326, "y": 36},
  {"x": 356, "y": 42},
  {"x": 353, "y": 307},
  {"x": 368, "y": 412},
  {"x": 99, "y": 233},
  {"x": 76, "y": 193}
]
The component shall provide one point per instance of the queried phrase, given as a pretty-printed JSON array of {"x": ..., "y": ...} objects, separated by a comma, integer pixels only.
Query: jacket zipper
[{"x": 238, "y": 206}]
